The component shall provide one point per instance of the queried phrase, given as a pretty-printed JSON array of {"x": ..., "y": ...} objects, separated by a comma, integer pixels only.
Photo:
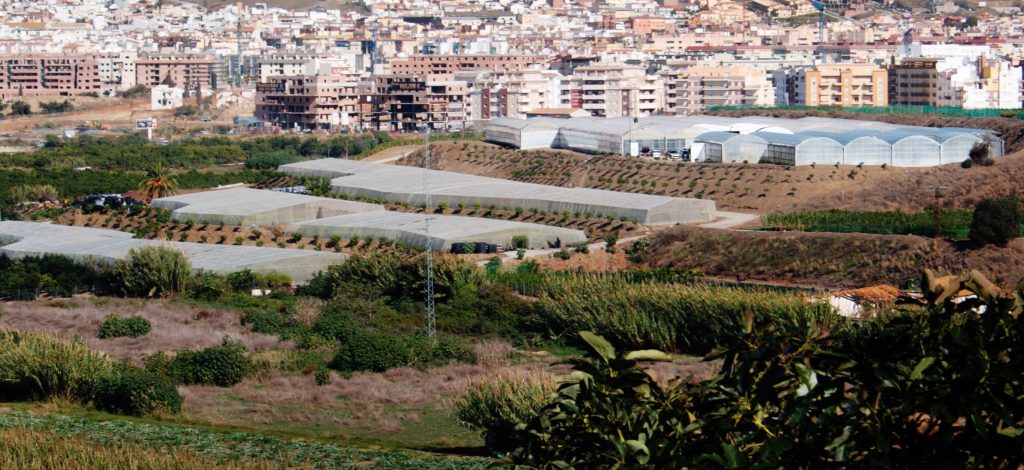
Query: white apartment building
[
  {"x": 513, "y": 94},
  {"x": 116, "y": 70},
  {"x": 300, "y": 64},
  {"x": 614, "y": 91}
]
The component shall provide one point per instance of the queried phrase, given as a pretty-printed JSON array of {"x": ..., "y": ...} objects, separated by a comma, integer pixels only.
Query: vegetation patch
[{"x": 133, "y": 327}]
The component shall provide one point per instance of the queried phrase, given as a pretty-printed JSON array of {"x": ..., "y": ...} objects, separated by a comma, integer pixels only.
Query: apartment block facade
[
  {"x": 915, "y": 82},
  {"x": 189, "y": 71},
  {"x": 446, "y": 65},
  {"x": 695, "y": 89},
  {"x": 834, "y": 85},
  {"x": 513, "y": 94},
  {"x": 614, "y": 91},
  {"x": 328, "y": 102},
  {"x": 39, "y": 74}
]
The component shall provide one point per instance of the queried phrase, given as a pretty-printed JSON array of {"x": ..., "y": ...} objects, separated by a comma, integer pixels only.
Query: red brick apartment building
[{"x": 42, "y": 74}]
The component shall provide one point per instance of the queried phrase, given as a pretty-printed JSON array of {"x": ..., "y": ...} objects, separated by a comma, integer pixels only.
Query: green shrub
[
  {"x": 562, "y": 254},
  {"x": 495, "y": 405},
  {"x": 322, "y": 376},
  {"x": 210, "y": 287},
  {"x": 996, "y": 221},
  {"x": 34, "y": 367},
  {"x": 153, "y": 271},
  {"x": 520, "y": 241},
  {"x": 136, "y": 392},
  {"x": 223, "y": 365},
  {"x": 133, "y": 326},
  {"x": 376, "y": 352}
]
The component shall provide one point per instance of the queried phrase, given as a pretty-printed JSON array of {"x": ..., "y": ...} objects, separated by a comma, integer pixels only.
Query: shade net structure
[
  {"x": 405, "y": 185},
  {"x": 411, "y": 228},
  {"x": 85, "y": 244},
  {"x": 245, "y": 206}
]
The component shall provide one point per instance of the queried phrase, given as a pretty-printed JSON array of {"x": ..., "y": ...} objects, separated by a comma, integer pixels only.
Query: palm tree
[{"x": 158, "y": 183}]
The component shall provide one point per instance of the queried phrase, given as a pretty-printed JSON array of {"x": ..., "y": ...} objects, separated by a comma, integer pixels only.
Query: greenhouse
[
  {"x": 728, "y": 147},
  {"x": 800, "y": 149},
  {"x": 405, "y": 185},
  {"x": 411, "y": 228},
  {"x": 521, "y": 133},
  {"x": 245, "y": 206},
  {"x": 85, "y": 244},
  {"x": 863, "y": 142}
]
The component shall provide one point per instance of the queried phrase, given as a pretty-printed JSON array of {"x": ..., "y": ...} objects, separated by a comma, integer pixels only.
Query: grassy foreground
[{"x": 56, "y": 441}]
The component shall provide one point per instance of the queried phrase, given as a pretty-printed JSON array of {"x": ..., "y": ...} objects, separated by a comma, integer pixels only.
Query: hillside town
[
  {"x": 397, "y": 65},
  {"x": 475, "y": 234}
]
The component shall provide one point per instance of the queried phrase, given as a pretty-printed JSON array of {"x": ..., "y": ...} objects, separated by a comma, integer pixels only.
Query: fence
[{"x": 895, "y": 109}]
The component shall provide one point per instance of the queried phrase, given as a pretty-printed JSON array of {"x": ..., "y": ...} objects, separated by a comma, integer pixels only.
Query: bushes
[
  {"x": 495, "y": 405},
  {"x": 36, "y": 367},
  {"x": 378, "y": 352},
  {"x": 136, "y": 392},
  {"x": 520, "y": 242},
  {"x": 223, "y": 365},
  {"x": 25, "y": 278},
  {"x": 918, "y": 390},
  {"x": 375, "y": 352},
  {"x": 996, "y": 221},
  {"x": 667, "y": 316},
  {"x": 114, "y": 327},
  {"x": 153, "y": 271}
]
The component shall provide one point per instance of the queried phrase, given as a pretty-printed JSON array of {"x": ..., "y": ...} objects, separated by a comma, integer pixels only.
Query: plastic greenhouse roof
[
  {"x": 790, "y": 139},
  {"x": 83, "y": 243},
  {"x": 248, "y": 201}
]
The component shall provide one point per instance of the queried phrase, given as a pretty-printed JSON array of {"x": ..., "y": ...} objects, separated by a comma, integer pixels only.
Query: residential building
[
  {"x": 513, "y": 94},
  {"x": 834, "y": 85},
  {"x": 393, "y": 103},
  {"x": 116, "y": 71},
  {"x": 696, "y": 88},
  {"x": 449, "y": 64},
  {"x": 43, "y": 74},
  {"x": 309, "y": 101},
  {"x": 915, "y": 82},
  {"x": 190, "y": 71},
  {"x": 614, "y": 91}
]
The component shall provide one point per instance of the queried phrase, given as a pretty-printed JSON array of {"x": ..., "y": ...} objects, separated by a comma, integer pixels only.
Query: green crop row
[{"x": 243, "y": 449}]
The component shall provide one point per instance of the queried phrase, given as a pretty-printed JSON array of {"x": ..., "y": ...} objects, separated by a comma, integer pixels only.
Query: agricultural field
[
  {"x": 952, "y": 223},
  {"x": 829, "y": 260},
  {"x": 763, "y": 189}
]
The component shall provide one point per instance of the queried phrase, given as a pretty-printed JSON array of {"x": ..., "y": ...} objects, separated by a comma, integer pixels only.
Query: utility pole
[{"x": 431, "y": 319}]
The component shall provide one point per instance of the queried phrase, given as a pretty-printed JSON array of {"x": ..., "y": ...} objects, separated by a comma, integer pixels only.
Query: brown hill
[{"x": 829, "y": 259}]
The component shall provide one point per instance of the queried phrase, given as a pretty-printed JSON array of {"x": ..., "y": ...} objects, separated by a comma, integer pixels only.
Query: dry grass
[
  {"x": 829, "y": 259},
  {"x": 493, "y": 352},
  {"x": 28, "y": 450},
  {"x": 175, "y": 326}
]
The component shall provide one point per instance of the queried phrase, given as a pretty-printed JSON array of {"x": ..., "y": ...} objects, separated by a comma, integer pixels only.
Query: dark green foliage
[
  {"x": 136, "y": 392},
  {"x": 270, "y": 161},
  {"x": 322, "y": 376},
  {"x": 638, "y": 250},
  {"x": 520, "y": 241},
  {"x": 955, "y": 222},
  {"x": 376, "y": 352},
  {"x": 20, "y": 108},
  {"x": 996, "y": 221},
  {"x": 56, "y": 275},
  {"x": 133, "y": 326},
  {"x": 246, "y": 280},
  {"x": 934, "y": 389},
  {"x": 223, "y": 365},
  {"x": 153, "y": 270},
  {"x": 209, "y": 287},
  {"x": 56, "y": 106}
]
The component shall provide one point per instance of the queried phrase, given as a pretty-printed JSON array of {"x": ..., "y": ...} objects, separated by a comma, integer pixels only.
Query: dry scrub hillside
[
  {"x": 757, "y": 188},
  {"x": 828, "y": 259}
]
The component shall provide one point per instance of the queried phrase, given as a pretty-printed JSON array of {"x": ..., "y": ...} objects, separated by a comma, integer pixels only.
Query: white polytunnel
[{"x": 862, "y": 142}]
